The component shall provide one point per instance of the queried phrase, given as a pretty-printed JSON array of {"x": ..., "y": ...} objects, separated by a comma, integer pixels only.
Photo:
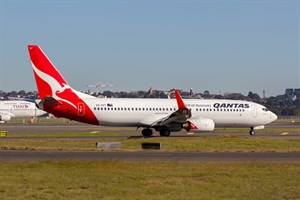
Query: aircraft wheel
[
  {"x": 147, "y": 132},
  {"x": 251, "y": 132},
  {"x": 165, "y": 133}
]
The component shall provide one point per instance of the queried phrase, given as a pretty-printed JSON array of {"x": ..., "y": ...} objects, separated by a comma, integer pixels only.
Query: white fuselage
[{"x": 141, "y": 112}]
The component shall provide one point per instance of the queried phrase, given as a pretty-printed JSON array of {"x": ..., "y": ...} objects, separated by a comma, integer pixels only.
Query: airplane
[
  {"x": 162, "y": 115},
  {"x": 10, "y": 109}
]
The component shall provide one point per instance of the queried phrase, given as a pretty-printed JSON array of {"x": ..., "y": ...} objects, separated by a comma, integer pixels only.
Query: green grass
[
  {"x": 158, "y": 180},
  {"x": 200, "y": 144},
  {"x": 221, "y": 144}
]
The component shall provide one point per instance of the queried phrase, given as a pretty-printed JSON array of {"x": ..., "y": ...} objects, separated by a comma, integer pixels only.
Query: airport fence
[{"x": 289, "y": 117}]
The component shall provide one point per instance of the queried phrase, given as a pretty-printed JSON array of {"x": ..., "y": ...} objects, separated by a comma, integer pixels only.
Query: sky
[{"x": 220, "y": 46}]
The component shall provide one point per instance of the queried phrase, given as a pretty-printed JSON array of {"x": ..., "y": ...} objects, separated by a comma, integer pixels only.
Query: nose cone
[{"x": 273, "y": 117}]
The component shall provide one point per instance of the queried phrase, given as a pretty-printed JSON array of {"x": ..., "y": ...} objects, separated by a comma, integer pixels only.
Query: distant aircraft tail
[{"x": 57, "y": 96}]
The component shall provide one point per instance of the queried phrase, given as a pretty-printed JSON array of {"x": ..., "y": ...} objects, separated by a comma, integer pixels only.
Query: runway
[{"x": 152, "y": 156}]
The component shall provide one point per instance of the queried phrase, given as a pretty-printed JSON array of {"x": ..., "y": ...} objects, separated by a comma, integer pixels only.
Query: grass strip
[
  {"x": 198, "y": 144},
  {"x": 159, "y": 180}
]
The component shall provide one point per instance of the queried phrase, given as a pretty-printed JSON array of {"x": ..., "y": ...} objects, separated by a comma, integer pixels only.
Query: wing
[{"x": 179, "y": 116}]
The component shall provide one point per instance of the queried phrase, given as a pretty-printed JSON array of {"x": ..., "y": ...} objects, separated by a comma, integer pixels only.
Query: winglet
[{"x": 180, "y": 102}]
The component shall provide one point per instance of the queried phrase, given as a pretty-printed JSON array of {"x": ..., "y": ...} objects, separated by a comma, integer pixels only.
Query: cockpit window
[{"x": 265, "y": 109}]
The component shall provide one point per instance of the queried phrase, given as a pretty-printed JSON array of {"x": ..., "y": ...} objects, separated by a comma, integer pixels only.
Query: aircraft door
[
  {"x": 254, "y": 111},
  {"x": 80, "y": 109}
]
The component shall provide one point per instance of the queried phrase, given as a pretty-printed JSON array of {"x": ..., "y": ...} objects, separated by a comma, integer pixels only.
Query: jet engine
[
  {"x": 199, "y": 125},
  {"x": 5, "y": 118}
]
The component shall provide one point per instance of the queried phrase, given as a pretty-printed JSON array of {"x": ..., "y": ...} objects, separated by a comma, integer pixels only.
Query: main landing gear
[
  {"x": 251, "y": 132},
  {"x": 164, "y": 132},
  {"x": 147, "y": 132}
]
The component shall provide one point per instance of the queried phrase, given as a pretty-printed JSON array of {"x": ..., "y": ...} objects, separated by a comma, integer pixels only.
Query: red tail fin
[
  {"x": 57, "y": 96},
  {"x": 47, "y": 78}
]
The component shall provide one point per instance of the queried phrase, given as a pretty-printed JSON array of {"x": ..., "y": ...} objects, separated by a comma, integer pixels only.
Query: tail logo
[{"x": 56, "y": 88}]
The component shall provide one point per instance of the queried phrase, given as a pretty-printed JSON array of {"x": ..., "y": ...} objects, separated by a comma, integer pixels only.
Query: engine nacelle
[
  {"x": 5, "y": 118},
  {"x": 200, "y": 125}
]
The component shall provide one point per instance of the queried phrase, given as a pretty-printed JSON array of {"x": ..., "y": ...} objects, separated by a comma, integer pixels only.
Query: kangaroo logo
[{"x": 56, "y": 88}]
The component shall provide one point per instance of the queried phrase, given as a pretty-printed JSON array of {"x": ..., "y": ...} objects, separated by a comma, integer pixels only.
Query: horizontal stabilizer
[{"x": 48, "y": 102}]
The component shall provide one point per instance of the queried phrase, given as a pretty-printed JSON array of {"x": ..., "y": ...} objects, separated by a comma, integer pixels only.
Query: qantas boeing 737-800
[{"x": 162, "y": 115}]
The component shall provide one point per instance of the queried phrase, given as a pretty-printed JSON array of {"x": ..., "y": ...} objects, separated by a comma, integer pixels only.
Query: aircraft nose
[{"x": 273, "y": 117}]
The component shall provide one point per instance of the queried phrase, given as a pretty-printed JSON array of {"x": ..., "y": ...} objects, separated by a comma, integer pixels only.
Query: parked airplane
[
  {"x": 10, "y": 109},
  {"x": 163, "y": 115}
]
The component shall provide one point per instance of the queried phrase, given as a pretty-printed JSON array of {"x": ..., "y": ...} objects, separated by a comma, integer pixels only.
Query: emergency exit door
[{"x": 81, "y": 109}]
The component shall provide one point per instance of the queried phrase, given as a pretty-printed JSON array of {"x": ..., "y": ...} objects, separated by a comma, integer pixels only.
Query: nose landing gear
[{"x": 251, "y": 132}]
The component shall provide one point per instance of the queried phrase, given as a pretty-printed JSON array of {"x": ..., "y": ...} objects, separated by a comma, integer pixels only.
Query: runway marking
[
  {"x": 284, "y": 133},
  {"x": 94, "y": 131}
]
